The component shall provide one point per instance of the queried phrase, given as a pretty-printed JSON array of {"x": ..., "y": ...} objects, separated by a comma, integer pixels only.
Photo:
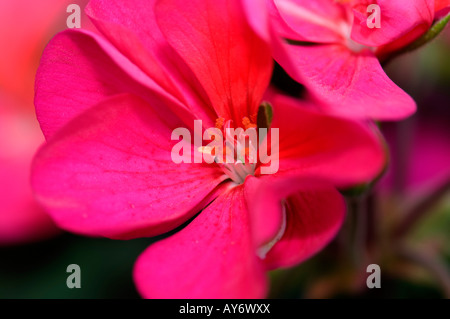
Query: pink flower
[
  {"x": 26, "y": 26},
  {"x": 338, "y": 51},
  {"x": 21, "y": 219},
  {"x": 108, "y": 106},
  {"x": 424, "y": 162}
]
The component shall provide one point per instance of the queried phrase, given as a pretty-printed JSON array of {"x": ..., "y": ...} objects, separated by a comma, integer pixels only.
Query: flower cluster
[{"x": 108, "y": 102}]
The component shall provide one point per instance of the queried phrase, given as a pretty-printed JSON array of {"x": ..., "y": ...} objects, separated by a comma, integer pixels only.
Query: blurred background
[{"x": 401, "y": 224}]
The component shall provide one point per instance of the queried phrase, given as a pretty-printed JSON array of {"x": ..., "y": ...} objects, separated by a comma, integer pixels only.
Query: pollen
[
  {"x": 247, "y": 123},
  {"x": 219, "y": 122},
  {"x": 237, "y": 154}
]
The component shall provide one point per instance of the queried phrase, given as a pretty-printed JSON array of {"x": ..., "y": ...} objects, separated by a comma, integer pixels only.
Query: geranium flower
[
  {"x": 26, "y": 26},
  {"x": 21, "y": 219},
  {"x": 336, "y": 52},
  {"x": 108, "y": 106}
]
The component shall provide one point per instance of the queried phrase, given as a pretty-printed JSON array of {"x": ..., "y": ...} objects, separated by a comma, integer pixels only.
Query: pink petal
[
  {"x": 321, "y": 21},
  {"x": 263, "y": 15},
  {"x": 428, "y": 166},
  {"x": 313, "y": 218},
  {"x": 21, "y": 219},
  {"x": 398, "y": 20},
  {"x": 232, "y": 64},
  {"x": 109, "y": 172},
  {"x": 266, "y": 196},
  {"x": 79, "y": 69},
  {"x": 264, "y": 210},
  {"x": 441, "y": 4},
  {"x": 22, "y": 44},
  {"x": 146, "y": 47},
  {"x": 315, "y": 145},
  {"x": 258, "y": 16},
  {"x": 349, "y": 84},
  {"x": 212, "y": 257}
]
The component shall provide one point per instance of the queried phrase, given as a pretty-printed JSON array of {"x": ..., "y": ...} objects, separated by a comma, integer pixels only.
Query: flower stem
[
  {"x": 431, "y": 263},
  {"x": 421, "y": 209}
]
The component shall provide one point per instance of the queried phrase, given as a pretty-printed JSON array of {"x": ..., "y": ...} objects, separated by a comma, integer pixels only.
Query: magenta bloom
[
  {"x": 428, "y": 158},
  {"x": 21, "y": 218},
  {"x": 26, "y": 26},
  {"x": 108, "y": 105},
  {"x": 339, "y": 47}
]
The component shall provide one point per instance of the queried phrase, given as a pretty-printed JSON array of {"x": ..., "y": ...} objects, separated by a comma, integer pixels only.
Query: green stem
[
  {"x": 421, "y": 209},
  {"x": 431, "y": 263},
  {"x": 357, "y": 230}
]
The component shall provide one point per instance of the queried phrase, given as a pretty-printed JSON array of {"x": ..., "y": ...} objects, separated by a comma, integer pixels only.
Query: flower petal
[
  {"x": 315, "y": 145},
  {"x": 263, "y": 15},
  {"x": 267, "y": 195},
  {"x": 144, "y": 44},
  {"x": 441, "y": 4},
  {"x": 258, "y": 16},
  {"x": 398, "y": 20},
  {"x": 231, "y": 62},
  {"x": 21, "y": 44},
  {"x": 321, "y": 21},
  {"x": 313, "y": 218},
  {"x": 109, "y": 172},
  {"x": 79, "y": 69},
  {"x": 428, "y": 156},
  {"x": 349, "y": 84},
  {"x": 212, "y": 257},
  {"x": 21, "y": 218}
]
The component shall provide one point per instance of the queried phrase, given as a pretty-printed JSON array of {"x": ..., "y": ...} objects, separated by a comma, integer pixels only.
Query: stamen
[
  {"x": 247, "y": 124},
  {"x": 219, "y": 122},
  {"x": 238, "y": 155}
]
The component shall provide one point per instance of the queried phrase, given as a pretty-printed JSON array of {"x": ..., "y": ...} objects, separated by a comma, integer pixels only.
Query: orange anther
[
  {"x": 247, "y": 123},
  {"x": 219, "y": 122}
]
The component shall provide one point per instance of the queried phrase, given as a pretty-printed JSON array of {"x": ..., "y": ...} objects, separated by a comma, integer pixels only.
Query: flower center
[
  {"x": 357, "y": 47},
  {"x": 235, "y": 150}
]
